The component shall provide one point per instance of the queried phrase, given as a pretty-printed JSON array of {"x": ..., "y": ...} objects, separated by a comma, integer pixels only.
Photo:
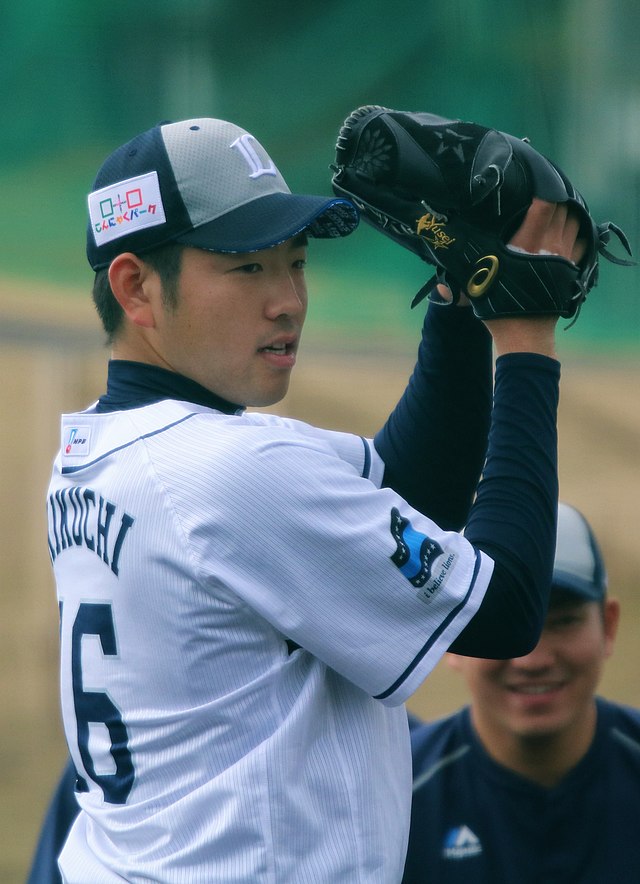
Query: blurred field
[{"x": 52, "y": 360}]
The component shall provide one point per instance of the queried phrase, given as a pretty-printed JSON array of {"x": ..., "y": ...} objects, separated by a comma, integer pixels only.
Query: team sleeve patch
[{"x": 416, "y": 556}]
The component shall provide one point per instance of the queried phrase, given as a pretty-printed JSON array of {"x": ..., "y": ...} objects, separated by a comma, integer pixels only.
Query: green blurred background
[{"x": 78, "y": 79}]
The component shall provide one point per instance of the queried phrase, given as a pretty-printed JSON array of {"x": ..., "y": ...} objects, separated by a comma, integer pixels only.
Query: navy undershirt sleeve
[
  {"x": 434, "y": 446},
  {"x": 513, "y": 518},
  {"x": 434, "y": 443}
]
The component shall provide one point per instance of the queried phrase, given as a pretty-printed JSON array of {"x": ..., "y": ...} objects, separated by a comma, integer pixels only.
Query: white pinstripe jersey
[{"x": 243, "y": 613}]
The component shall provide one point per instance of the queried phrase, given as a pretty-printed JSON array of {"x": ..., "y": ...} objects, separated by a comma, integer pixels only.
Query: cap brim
[
  {"x": 571, "y": 583},
  {"x": 271, "y": 220}
]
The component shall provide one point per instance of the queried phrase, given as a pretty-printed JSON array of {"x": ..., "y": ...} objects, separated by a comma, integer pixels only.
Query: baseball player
[
  {"x": 538, "y": 780},
  {"x": 247, "y": 601}
]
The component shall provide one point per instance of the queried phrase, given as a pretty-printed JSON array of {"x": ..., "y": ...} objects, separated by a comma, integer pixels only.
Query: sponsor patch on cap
[{"x": 126, "y": 207}]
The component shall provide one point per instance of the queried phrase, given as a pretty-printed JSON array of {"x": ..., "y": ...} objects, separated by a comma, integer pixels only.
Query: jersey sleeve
[
  {"x": 348, "y": 571},
  {"x": 359, "y": 452}
]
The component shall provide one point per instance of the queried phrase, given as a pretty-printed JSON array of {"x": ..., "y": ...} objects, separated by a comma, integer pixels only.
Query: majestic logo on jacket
[
  {"x": 415, "y": 555},
  {"x": 461, "y": 843}
]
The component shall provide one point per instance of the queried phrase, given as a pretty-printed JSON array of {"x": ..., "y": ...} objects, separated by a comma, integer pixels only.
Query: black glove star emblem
[{"x": 450, "y": 140}]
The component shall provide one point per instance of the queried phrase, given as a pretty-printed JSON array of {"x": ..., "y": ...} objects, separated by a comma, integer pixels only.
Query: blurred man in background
[{"x": 538, "y": 779}]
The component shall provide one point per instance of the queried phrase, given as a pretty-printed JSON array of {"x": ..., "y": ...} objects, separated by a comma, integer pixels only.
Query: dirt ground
[{"x": 52, "y": 360}]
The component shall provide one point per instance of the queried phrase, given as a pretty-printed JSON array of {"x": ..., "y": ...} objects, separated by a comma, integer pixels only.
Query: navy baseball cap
[
  {"x": 205, "y": 183},
  {"x": 579, "y": 567}
]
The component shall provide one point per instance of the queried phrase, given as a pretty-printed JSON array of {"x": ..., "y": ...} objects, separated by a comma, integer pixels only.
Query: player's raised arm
[{"x": 509, "y": 234}]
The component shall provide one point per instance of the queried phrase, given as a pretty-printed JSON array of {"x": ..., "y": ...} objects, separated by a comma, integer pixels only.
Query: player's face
[
  {"x": 237, "y": 322},
  {"x": 548, "y": 692}
]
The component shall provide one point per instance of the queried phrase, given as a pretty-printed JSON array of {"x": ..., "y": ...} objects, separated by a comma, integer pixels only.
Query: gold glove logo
[
  {"x": 433, "y": 231},
  {"x": 482, "y": 277}
]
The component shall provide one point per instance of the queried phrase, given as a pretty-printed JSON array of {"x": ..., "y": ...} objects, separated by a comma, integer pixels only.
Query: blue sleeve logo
[{"x": 415, "y": 553}]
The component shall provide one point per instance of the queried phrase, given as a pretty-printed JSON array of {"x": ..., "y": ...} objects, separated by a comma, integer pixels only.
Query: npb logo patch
[
  {"x": 76, "y": 442},
  {"x": 416, "y": 554}
]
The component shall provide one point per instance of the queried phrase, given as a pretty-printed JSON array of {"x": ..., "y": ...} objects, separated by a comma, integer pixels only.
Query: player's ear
[
  {"x": 611, "y": 617},
  {"x": 135, "y": 287}
]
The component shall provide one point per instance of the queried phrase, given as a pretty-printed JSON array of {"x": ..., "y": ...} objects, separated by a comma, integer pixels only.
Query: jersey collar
[{"x": 133, "y": 384}]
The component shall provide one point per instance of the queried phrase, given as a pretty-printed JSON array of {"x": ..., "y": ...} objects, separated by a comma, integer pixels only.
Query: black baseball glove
[{"x": 455, "y": 193}]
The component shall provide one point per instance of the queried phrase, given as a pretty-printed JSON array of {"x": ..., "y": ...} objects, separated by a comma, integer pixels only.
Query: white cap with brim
[
  {"x": 205, "y": 183},
  {"x": 579, "y": 565}
]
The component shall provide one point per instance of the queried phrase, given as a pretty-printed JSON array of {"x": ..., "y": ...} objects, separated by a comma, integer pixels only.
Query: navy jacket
[{"x": 475, "y": 822}]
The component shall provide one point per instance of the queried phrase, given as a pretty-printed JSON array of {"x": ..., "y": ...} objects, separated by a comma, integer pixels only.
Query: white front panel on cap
[
  {"x": 218, "y": 167},
  {"x": 126, "y": 207}
]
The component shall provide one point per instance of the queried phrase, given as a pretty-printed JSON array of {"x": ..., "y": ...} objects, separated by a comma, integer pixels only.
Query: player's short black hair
[
  {"x": 564, "y": 598},
  {"x": 165, "y": 260}
]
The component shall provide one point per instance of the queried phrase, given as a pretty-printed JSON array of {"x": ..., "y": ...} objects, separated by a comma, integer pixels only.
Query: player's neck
[{"x": 543, "y": 758}]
